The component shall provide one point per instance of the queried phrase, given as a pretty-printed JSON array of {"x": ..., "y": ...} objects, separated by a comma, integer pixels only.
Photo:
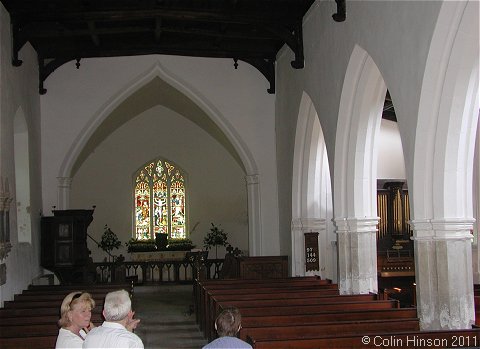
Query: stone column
[
  {"x": 444, "y": 277},
  {"x": 254, "y": 223},
  {"x": 64, "y": 186},
  {"x": 476, "y": 208},
  {"x": 357, "y": 255}
]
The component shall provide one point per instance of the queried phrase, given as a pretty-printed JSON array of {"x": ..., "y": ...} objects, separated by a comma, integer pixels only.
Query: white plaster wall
[
  {"x": 75, "y": 97},
  {"x": 396, "y": 34},
  {"x": 215, "y": 182},
  {"x": 391, "y": 164},
  {"x": 18, "y": 91}
]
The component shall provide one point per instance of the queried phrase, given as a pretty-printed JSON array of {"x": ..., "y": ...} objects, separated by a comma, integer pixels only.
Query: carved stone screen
[{"x": 311, "y": 251}]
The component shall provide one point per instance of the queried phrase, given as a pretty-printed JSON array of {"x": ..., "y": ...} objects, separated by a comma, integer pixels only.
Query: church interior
[{"x": 315, "y": 148}]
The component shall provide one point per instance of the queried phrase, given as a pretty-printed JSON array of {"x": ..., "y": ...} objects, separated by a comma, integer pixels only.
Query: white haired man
[{"x": 116, "y": 330}]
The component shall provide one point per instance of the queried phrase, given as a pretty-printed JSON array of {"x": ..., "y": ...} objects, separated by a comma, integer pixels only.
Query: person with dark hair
[
  {"x": 75, "y": 315},
  {"x": 228, "y": 323},
  {"x": 116, "y": 330}
]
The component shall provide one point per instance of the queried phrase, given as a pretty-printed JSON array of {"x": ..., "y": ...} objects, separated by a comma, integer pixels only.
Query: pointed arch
[
  {"x": 358, "y": 124},
  {"x": 238, "y": 148},
  {"x": 355, "y": 173},
  {"x": 448, "y": 113},
  {"x": 311, "y": 192},
  {"x": 157, "y": 71},
  {"x": 442, "y": 171}
]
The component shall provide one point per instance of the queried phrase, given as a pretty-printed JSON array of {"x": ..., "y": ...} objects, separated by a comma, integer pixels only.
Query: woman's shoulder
[{"x": 67, "y": 339}]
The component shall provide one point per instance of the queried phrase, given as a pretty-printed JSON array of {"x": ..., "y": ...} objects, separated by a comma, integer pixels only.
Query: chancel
[{"x": 314, "y": 164}]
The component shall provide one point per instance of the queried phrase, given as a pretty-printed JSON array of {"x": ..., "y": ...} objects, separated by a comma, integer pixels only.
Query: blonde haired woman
[{"x": 75, "y": 315}]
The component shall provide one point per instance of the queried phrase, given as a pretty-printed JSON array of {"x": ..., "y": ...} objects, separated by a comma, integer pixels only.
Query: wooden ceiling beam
[
  {"x": 249, "y": 30},
  {"x": 33, "y": 32},
  {"x": 92, "y": 31},
  {"x": 267, "y": 17}
]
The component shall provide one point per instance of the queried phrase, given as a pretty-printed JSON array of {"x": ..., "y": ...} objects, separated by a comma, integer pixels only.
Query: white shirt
[
  {"x": 68, "y": 340},
  {"x": 112, "y": 335}
]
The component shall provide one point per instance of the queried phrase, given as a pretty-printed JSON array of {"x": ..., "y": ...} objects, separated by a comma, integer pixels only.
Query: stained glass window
[{"x": 159, "y": 200}]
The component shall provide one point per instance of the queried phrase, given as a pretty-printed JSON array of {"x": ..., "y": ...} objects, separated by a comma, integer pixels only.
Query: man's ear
[
  {"x": 103, "y": 313},
  {"x": 215, "y": 325}
]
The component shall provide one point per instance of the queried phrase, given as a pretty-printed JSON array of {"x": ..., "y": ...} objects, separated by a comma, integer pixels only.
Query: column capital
[
  {"x": 357, "y": 225},
  {"x": 64, "y": 182},
  {"x": 306, "y": 224},
  {"x": 442, "y": 229},
  {"x": 252, "y": 179}
]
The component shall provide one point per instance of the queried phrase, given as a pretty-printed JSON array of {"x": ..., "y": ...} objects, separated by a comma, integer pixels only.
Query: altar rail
[{"x": 155, "y": 272}]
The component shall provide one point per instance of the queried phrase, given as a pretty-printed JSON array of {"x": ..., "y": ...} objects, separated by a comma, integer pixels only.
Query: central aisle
[{"x": 166, "y": 322}]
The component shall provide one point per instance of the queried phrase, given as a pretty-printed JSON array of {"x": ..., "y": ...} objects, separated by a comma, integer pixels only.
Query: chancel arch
[
  {"x": 355, "y": 173},
  {"x": 311, "y": 195},
  {"x": 157, "y": 87}
]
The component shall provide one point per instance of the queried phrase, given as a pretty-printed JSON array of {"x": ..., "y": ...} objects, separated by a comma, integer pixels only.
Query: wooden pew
[
  {"x": 290, "y": 300},
  {"x": 32, "y": 296},
  {"x": 199, "y": 284},
  {"x": 268, "y": 286},
  {"x": 305, "y": 309},
  {"x": 43, "y": 342},
  {"x": 318, "y": 308},
  {"x": 266, "y": 289},
  {"x": 111, "y": 286},
  {"x": 44, "y": 319},
  {"x": 41, "y": 304},
  {"x": 346, "y": 315},
  {"x": 60, "y": 289},
  {"x": 214, "y": 296},
  {"x": 14, "y": 312},
  {"x": 32, "y": 330},
  {"x": 412, "y": 339},
  {"x": 344, "y": 327}
]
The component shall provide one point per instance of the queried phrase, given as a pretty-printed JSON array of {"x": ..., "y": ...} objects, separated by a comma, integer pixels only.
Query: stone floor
[{"x": 166, "y": 321}]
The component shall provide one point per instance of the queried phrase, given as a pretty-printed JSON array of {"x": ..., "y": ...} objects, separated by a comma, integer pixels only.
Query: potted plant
[
  {"x": 136, "y": 245},
  {"x": 109, "y": 241},
  {"x": 216, "y": 237},
  {"x": 179, "y": 244}
]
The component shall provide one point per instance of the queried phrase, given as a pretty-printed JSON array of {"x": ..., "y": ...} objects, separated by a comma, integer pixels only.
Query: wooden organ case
[{"x": 395, "y": 257}]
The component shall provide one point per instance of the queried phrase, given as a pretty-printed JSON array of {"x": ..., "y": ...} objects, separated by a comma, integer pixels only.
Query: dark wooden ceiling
[{"x": 252, "y": 31}]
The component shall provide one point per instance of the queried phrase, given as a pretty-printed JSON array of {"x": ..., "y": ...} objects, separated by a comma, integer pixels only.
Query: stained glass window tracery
[{"x": 159, "y": 200}]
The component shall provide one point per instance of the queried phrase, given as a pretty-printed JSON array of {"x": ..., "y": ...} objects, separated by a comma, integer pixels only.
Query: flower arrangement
[
  {"x": 179, "y": 244},
  {"x": 216, "y": 237},
  {"x": 136, "y": 245}
]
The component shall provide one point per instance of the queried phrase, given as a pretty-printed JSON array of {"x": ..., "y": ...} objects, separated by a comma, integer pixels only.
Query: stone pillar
[
  {"x": 476, "y": 208},
  {"x": 444, "y": 278},
  {"x": 254, "y": 223},
  {"x": 357, "y": 255},
  {"x": 64, "y": 186},
  {"x": 299, "y": 227}
]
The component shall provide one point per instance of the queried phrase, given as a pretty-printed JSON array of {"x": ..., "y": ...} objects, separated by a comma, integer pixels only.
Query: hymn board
[{"x": 311, "y": 251}]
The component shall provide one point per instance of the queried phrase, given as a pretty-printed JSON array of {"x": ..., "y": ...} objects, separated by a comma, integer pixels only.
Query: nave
[{"x": 291, "y": 312}]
